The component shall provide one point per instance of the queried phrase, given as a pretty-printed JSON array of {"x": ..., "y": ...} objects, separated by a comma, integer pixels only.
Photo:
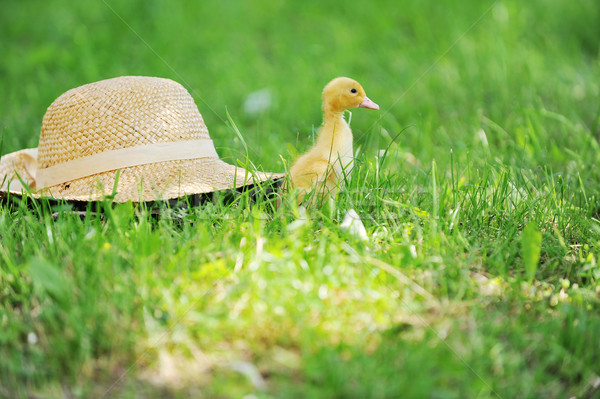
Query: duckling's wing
[{"x": 308, "y": 173}]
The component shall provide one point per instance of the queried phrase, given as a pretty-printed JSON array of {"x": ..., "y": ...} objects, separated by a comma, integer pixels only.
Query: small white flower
[
  {"x": 258, "y": 102},
  {"x": 32, "y": 338},
  {"x": 354, "y": 225}
]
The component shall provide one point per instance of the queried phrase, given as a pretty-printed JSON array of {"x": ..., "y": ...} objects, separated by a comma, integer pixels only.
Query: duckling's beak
[{"x": 367, "y": 103}]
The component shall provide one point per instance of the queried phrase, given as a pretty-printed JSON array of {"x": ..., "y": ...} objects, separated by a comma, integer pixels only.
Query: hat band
[{"x": 123, "y": 158}]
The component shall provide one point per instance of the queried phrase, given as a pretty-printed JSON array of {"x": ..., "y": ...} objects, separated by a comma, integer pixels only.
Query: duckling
[{"x": 325, "y": 165}]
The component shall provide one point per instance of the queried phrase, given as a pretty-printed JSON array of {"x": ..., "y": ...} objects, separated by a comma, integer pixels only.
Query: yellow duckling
[{"x": 330, "y": 159}]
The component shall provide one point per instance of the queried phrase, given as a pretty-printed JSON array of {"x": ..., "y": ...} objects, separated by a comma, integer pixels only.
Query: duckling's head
[{"x": 344, "y": 93}]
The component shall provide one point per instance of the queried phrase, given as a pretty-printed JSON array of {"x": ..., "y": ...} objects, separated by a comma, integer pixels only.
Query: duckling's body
[{"x": 330, "y": 159}]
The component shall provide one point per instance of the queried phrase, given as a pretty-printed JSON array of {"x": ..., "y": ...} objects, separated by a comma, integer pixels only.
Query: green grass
[{"x": 476, "y": 182}]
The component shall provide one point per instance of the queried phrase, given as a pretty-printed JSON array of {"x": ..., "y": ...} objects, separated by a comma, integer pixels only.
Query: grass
[{"x": 476, "y": 183}]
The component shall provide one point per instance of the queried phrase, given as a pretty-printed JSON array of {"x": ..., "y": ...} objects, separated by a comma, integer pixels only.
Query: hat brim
[{"x": 149, "y": 182}]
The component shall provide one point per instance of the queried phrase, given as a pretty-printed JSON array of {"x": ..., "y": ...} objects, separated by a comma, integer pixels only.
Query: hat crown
[{"x": 117, "y": 113}]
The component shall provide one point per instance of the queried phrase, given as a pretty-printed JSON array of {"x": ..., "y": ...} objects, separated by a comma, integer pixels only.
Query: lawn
[{"x": 476, "y": 183}]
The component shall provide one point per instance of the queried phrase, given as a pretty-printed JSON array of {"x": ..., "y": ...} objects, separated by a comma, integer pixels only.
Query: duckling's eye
[{"x": 353, "y": 90}]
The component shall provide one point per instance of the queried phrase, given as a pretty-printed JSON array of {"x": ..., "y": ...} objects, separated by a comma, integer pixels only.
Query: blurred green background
[{"x": 442, "y": 69}]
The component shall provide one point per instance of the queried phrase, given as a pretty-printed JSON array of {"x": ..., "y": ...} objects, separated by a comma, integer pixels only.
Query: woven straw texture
[
  {"x": 130, "y": 111},
  {"x": 20, "y": 163}
]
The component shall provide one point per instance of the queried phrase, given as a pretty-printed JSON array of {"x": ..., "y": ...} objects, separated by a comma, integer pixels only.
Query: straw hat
[{"x": 147, "y": 128}]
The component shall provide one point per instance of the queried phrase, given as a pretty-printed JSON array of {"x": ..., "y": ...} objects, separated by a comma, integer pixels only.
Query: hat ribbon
[{"x": 123, "y": 158}]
